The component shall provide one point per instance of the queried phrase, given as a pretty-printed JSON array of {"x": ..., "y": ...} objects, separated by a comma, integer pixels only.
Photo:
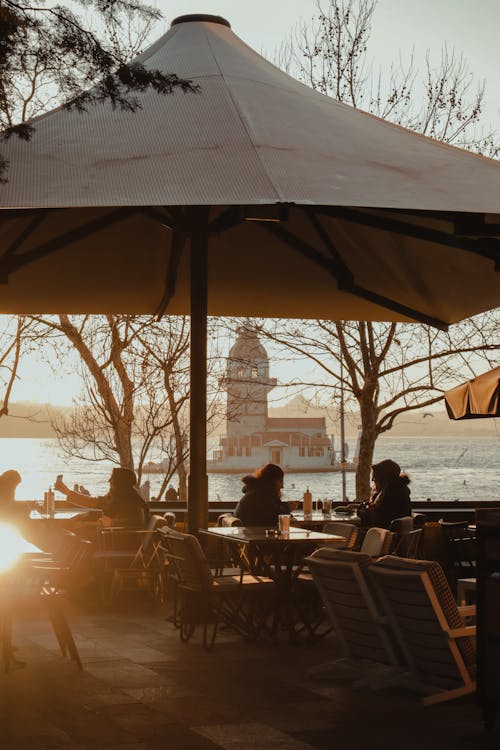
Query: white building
[{"x": 253, "y": 438}]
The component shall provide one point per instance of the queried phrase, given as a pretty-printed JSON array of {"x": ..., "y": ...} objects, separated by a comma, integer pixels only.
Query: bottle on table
[
  {"x": 50, "y": 502},
  {"x": 307, "y": 502}
]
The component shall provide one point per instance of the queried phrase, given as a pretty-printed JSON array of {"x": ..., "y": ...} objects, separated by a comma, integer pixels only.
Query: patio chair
[
  {"x": 437, "y": 645},
  {"x": 170, "y": 518},
  {"x": 205, "y": 599},
  {"x": 348, "y": 530},
  {"x": 377, "y": 542},
  {"x": 128, "y": 559},
  {"x": 460, "y": 546},
  {"x": 406, "y": 539},
  {"x": 360, "y": 624},
  {"x": 68, "y": 568}
]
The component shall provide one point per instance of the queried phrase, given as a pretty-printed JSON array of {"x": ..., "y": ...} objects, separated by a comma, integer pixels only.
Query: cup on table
[
  {"x": 327, "y": 507},
  {"x": 284, "y": 523}
]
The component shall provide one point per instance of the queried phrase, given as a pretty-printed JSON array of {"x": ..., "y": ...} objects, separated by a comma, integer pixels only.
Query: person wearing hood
[
  {"x": 391, "y": 495},
  {"x": 261, "y": 502}
]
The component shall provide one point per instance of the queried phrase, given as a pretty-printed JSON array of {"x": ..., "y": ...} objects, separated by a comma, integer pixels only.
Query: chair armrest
[{"x": 467, "y": 610}]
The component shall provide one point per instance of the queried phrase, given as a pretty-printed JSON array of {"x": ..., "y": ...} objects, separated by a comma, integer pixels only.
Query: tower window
[{"x": 255, "y": 373}]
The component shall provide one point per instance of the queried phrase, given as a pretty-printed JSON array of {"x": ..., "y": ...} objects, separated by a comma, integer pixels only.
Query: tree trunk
[
  {"x": 366, "y": 446},
  {"x": 178, "y": 437}
]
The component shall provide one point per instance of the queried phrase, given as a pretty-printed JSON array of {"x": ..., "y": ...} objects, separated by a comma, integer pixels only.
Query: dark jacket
[
  {"x": 260, "y": 504},
  {"x": 125, "y": 508},
  {"x": 391, "y": 502}
]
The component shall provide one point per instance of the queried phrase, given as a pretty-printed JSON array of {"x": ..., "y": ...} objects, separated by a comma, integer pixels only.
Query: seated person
[
  {"x": 261, "y": 502},
  {"x": 390, "y": 497},
  {"x": 10, "y": 510},
  {"x": 122, "y": 506}
]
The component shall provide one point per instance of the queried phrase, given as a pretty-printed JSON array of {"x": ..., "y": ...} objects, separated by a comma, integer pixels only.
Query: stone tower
[{"x": 247, "y": 384}]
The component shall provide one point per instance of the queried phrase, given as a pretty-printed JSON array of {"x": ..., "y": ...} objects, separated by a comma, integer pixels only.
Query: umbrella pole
[{"x": 198, "y": 478}]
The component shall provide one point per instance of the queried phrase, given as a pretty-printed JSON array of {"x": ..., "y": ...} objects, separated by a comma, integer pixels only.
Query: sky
[
  {"x": 399, "y": 26},
  {"x": 471, "y": 26}
]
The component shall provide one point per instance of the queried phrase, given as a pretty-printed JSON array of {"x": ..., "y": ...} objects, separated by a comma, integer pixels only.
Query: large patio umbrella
[
  {"x": 291, "y": 204},
  {"x": 478, "y": 398}
]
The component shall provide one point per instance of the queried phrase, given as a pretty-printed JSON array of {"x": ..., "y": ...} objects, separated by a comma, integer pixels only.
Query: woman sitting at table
[
  {"x": 390, "y": 498},
  {"x": 10, "y": 510},
  {"x": 261, "y": 502},
  {"x": 122, "y": 506}
]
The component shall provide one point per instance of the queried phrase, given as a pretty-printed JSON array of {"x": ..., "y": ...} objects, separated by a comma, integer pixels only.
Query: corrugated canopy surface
[
  {"x": 475, "y": 399},
  {"x": 381, "y": 223}
]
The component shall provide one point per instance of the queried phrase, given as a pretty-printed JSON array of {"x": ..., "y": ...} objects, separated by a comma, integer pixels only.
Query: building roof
[{"x": 296, "y": 423}]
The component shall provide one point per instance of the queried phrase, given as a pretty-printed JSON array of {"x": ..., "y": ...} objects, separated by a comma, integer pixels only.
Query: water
[{"x": 439, "y": 468}]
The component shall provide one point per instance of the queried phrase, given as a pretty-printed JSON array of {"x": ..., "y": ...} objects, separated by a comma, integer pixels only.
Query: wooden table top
[{"x": 259, "y": 534}]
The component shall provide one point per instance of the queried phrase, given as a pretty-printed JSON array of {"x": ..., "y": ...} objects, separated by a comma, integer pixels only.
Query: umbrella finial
[{"x": 200, "y": 18}]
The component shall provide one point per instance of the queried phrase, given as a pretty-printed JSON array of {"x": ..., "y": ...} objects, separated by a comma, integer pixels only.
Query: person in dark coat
[
  {"x": 261, "y": 502},
  {"x": 10, "y": 510},
  {"x": 391, "y": 495},
  {"x": 122, "y": 506}
]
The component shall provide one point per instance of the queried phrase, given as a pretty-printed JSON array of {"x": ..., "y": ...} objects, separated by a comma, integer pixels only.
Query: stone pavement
[{"x": 142, "y": 688}]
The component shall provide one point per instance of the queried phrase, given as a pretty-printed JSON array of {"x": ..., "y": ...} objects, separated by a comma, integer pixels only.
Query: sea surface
[{"x": 439, "y": 468}]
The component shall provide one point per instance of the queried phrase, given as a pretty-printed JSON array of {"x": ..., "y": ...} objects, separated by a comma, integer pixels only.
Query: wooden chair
[
  {"x": 348, "y": 530},
  {"x": 205, "y": 599},
  {"x": 460, "y": 549},
  {"x": 128, "y": 559},
  {"x": 437, "y": 645}
]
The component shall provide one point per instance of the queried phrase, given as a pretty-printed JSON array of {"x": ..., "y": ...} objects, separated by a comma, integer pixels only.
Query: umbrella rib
[
  {"x": 176, "y": 247},
  {"x": 387, "y": 224},
  {"x": 344, "y": 284},
  {"x": 25, "y": 234},
  {"x": 14, "y": 262}
]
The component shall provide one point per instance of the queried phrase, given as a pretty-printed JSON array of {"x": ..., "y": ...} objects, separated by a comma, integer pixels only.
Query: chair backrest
[
  {"x": 407, "y": 545},
  {"x": 460, "y": 544},
  {"x": 228, "y": 521},
  {"x": 348, "y": 530},
  {"x": 419, "y": 520},
  {"x": 187, "y": 558},
  {"x": 155, "y": 522},
  {"x": 402, "y": 525},
  {"x": 421, "y": 608},
  {"x": 170, "y": 518},
  {"x": 348, "y": 596},
  {"x": 376, "y": 542}
]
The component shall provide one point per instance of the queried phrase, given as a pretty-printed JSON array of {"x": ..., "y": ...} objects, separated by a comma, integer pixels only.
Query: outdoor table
[
  {"x": 58, "y": 515},
  {"x": 317, "y": 519},
  {"x": 279, "y": 556}
]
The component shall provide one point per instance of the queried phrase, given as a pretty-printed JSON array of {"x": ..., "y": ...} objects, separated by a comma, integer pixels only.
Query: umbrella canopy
[
  {"x": 476, "y": 399},
  {"x": 371, "y": 221},
  {"x": 292, "y": 204}
]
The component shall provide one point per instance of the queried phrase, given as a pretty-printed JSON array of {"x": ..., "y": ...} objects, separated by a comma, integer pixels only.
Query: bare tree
[
  {"x": 11, "y": 349},
  {"x": 50, "y": 54},
  {"x": 135, "y": 391},
  {"x": 388, "y": 368}
]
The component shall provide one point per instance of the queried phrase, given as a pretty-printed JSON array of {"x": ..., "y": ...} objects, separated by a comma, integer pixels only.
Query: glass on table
[
  {"x": 284, "y": 523},
  {"x": 327, "y": 506}
]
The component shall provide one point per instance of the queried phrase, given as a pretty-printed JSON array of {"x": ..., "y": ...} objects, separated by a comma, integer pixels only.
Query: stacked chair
[
  {"x": 241, "y": 601},
  {"x": 400, "y": 613},
  {"x": 431, "y": 630}
]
